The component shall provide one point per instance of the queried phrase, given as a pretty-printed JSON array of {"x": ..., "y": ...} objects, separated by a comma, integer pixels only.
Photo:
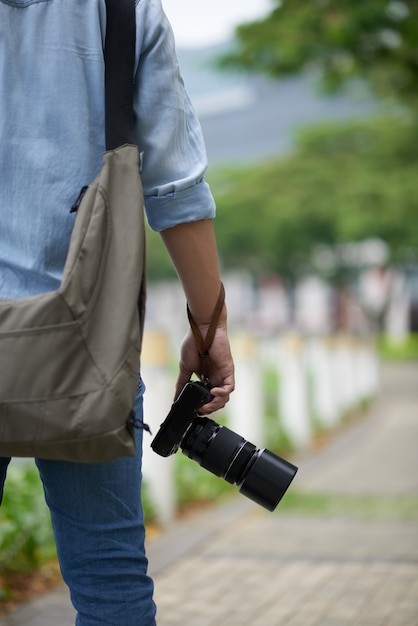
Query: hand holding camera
[
  {"x": 260, "y": 475},
  {"x": 208, "y": 356}
]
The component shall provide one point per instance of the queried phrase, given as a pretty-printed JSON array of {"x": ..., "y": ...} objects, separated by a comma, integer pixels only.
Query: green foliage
[
  {"x": 195, "y": 484},
  {"x": 275, "y": 435},
  {"x": 343, "y": 183},
  {"x": 150, "y": 512},
  {"x": 159, "y": 266},
  {"x": 406, "y": 349},
  {"x": 374, "y": 40},
  {"x": 26, "y": 537}
]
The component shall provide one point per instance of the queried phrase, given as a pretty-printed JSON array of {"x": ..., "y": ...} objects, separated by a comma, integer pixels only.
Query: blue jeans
[{"x": 99, "y": 531}]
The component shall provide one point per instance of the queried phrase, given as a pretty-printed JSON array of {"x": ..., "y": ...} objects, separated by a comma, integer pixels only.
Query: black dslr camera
[{"x": 259, "y": 474}]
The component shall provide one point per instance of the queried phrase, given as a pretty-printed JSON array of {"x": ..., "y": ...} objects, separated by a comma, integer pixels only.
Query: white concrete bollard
[
  {"x": 367, "y": 370},
  {"x": 158, "y": 471},
  {"x": 372, "y": 369},
  {"x": 324, "y": 404},
  {"x": 293, "y": 391},
  {"x": 245, "y": 408},
  {"x": 344, "y": 374}
]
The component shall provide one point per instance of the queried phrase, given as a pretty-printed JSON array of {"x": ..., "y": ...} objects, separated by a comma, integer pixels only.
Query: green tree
[
  {"x": 341, "y": 39},
  {"x": 343, "y": 183}
]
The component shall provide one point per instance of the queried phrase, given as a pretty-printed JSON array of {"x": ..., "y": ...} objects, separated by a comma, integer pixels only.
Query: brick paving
[{"x": 237, "y": 565}]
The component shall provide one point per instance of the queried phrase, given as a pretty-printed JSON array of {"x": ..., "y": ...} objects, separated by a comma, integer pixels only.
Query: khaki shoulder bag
[{"x": 69, "y": 359}]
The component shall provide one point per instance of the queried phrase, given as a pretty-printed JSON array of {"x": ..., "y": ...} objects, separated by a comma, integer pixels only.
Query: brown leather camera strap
[{"x": 203, "y": 345}]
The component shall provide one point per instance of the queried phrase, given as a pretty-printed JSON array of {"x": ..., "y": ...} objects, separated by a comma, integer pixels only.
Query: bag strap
[{"x": 119, "y": 55}]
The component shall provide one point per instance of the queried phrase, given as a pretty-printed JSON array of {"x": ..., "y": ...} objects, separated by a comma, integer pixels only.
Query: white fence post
[
  {"x": 158, "y": 471},
  {"x": 246, "y": 405},
  {"x": 344, "y": 374},
  {"x": 293, "y": 391},
  {"x": 324, "y": 403},
  {"x": 366, "y": 370}
]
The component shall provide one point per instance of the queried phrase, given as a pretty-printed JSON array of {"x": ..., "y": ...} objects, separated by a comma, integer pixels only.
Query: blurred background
[{"x": 310, "y": 114}]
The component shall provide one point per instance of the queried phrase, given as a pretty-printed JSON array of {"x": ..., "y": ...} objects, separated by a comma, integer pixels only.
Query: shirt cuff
[{"x": 186, "y": 205}]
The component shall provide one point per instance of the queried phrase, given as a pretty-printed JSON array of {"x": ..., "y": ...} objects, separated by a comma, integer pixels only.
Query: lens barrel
[
  {"x": 260, "y": 475},
  {"x": 267, "y": 479}
]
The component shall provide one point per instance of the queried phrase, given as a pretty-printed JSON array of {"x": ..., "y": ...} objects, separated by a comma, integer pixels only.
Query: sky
[{"x": 198, "y": 23}]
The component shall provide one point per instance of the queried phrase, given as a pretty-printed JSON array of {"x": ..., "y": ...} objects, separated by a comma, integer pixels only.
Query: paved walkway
[{"x": 237, "y": 565}]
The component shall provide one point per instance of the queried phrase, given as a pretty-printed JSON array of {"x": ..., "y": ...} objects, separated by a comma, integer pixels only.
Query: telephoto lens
[{"x": 260, "y": 475}]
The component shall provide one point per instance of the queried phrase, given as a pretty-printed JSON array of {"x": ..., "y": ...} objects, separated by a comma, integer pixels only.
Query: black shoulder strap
[{"x": 119, "y": 58}]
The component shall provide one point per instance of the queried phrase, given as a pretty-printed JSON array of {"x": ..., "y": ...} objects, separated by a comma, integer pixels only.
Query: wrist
[
  {"x": 204, "y": 321},
  {"x": 204, "y": 331}
]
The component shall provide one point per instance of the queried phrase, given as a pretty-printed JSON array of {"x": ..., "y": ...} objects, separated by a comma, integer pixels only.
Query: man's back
[
  {"x": 51, "y": 138},
  {"x": 52, "y": 131}
]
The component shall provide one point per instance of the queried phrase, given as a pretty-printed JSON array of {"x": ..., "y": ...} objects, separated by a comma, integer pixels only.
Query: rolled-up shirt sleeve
[{"x": 168, "y": 131}]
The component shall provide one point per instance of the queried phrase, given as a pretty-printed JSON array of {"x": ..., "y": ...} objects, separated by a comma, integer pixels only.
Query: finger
[
  {"x": 223, "y": 391},
  {"x": 217, "y": 402}
]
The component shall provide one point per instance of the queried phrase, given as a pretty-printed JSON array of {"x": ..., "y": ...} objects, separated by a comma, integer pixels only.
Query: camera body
[{"x": 260, "y": 475}]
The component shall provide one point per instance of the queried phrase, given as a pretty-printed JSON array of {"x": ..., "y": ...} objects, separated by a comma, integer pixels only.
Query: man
[{"x": 51, "y": 144}]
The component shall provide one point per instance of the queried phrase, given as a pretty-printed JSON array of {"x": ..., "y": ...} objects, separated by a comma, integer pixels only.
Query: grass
[
  {"x": 406, "y": 349},
  {"x": 355, "y": 506}
]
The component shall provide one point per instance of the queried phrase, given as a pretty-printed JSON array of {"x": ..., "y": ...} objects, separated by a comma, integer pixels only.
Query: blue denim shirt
[{"x": 52, "y": 131}]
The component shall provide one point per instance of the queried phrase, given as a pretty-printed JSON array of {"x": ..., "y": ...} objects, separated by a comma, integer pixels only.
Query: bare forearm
[{"x": 192, "y": 248}]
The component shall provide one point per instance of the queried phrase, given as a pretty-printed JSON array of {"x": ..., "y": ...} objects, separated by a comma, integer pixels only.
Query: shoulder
[{"x": 153, "y": 26}]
